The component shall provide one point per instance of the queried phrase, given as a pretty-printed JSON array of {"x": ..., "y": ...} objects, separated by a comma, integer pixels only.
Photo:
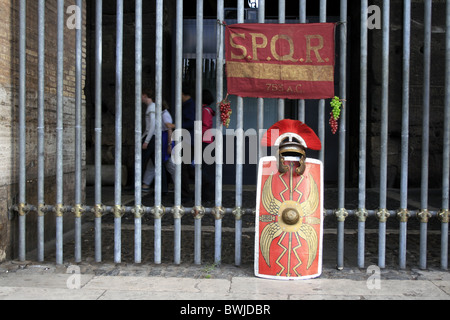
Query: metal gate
[{"x": 177, "y": 211}]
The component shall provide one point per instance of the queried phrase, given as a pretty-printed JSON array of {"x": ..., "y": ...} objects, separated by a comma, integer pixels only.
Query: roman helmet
[{"x": 291, "y": 138}]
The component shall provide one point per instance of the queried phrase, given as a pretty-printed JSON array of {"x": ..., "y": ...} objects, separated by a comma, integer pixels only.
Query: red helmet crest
[{"x": 291, "y": 129}]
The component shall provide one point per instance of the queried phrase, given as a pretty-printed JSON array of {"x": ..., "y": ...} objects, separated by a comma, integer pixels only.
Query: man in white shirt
[{"x": 148, "y": 141}]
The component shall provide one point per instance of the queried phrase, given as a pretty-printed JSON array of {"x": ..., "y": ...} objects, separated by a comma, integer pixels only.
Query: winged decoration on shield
[{"x": 290, "y": 217}]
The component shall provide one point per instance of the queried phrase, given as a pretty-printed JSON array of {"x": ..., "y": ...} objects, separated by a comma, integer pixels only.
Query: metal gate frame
[{"x": 341, "y": 213}]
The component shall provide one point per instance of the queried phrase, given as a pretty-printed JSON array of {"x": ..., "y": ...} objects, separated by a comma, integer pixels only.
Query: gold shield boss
[{"x": 289, "y": 214}]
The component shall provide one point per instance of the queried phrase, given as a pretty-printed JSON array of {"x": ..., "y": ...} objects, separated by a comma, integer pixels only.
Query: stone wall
[
  {"x": 9, "y": 109},
  {"x": 437, "y": 95}
]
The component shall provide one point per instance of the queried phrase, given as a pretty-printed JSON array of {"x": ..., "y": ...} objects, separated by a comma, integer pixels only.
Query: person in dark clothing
[
  {"x": 188, "y": 111},
  {"x": 188, "y": 118}
]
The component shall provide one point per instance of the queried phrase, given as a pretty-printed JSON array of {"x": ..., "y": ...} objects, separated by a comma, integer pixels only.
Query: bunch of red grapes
[
  {"x": 336, "y": 104},
  {"x": 225, "y": 112}
]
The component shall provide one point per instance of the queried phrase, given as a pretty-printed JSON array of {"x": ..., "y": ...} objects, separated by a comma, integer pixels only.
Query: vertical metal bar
[
  {"x": 425, "y": 132},
  {"x": 219, "y": 97},
  {"x": 238, "y": 238},
  {"x": 78, "y": 133},
  {"x": 178, "y": 124},
  {"x": 362, "y": 135},
  {"x": 219, "y": 132},
  {"x": 384, "y": 135},
  {"x": 301, "y": 103},
  {"x": 117, "y": 234},
  {"x": 118, "y": 135},
  {"x": 321, "y": 130},
  {"x": 77, "y": 238},
  {"x": 340, "y": 242},
  {"x": 405, "y": 131},
  {"x": 281, "y": 19},
  {"x": 343, "y": 95},
  {"x": 260, "y": 101},
  {"x": 158, "y": 126},
  {"x": 177, "y": 241},
  {"x": 137, "y": 239},
  {"x": 342, "y": 214},
  {"x": 157, "y": 236},
  {"x": 444, "y": 245},
  {"x": 98, "y": 127},
  {"x": 402, "y": 245},
  {"x": 22, "y": 238},
  {"x": 446, "y": 149},
  {"x": 423, "y": 245},
  {"x": 198, "y": 129},
  {"x": 239, "y": 172},
  {"x": 382, "y": 215},
  {"x": 426, "y": 103},
  {"x": 158, "y": 97},
  {"x": 382, "y": 244},
  {"x": 138, "y": 134},
  {"x": 22, "y": 124},
  {"x": 198, "y": 105},
  {"x": 59, "y": 133},
  {"x": 361, "y": 241},
  {"x": 98, "y": 237},
  {"x": 405, "y": 105},
  {"x": 384, "y": 105},
  {"x": 218, "y": 241},
  {"x": 302, "y": 11},
  {"x": 59, "y": 239},
  {"x": 178, "y": 85},
  {"x": 239, "y": 158},
  {"x": 281, "y": 11},
  {"x": 40, "y": 126},
  {"x": 198, "y": 240}
]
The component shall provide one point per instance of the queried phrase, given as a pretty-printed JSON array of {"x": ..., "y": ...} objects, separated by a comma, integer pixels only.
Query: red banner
[{"x": 293, "y": 61}]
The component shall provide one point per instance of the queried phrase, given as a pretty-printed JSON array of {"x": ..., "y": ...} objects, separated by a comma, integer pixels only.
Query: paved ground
[{"x": 127, "y": 281}]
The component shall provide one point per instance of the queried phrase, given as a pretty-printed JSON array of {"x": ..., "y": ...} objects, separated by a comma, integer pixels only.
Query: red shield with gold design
[{"x": 289, "y": 220}]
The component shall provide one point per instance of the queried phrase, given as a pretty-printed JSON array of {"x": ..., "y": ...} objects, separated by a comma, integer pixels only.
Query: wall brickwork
[{"x": 9, "y": 109}]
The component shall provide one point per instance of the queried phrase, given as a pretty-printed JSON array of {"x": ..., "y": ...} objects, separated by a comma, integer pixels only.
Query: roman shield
[{"x": 289, "y": 220}]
